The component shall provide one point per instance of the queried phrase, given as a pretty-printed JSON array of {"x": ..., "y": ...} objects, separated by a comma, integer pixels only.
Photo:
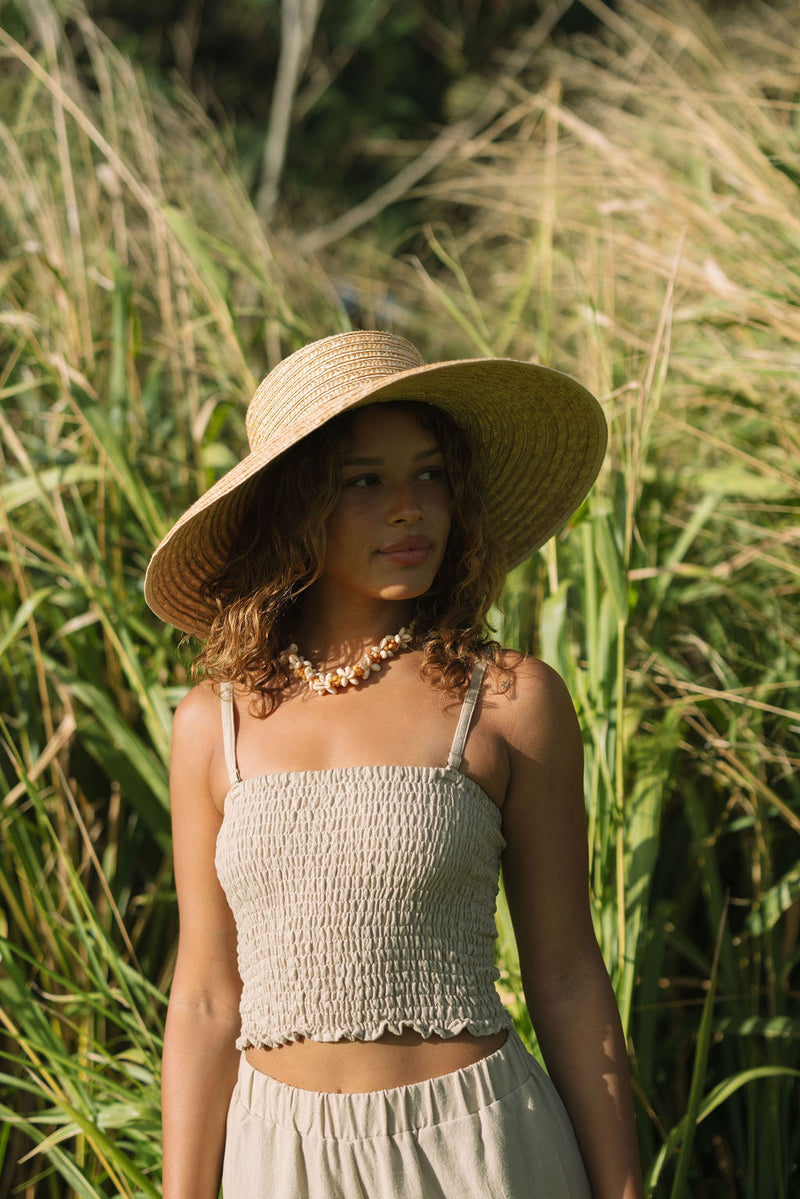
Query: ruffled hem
[{"x": 372, "y": 1032}]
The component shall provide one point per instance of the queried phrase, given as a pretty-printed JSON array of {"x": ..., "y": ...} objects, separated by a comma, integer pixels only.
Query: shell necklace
[{"x": 330, "y": 681}]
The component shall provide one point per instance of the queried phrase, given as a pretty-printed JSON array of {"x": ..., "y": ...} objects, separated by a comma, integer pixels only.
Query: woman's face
[{"x": 387, "y": 534}]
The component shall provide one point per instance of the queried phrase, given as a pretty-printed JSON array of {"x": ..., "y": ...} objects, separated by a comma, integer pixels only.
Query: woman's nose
[{"x": 404, "y": 506}]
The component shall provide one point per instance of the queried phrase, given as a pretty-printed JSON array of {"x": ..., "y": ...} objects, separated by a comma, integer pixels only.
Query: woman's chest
[{"x": 410, "y": 727}]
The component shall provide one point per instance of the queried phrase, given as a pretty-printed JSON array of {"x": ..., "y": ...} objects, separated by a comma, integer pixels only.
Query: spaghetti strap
[
  {"x": 229, "y": 732},
  {"x": 467, "y": 708}
]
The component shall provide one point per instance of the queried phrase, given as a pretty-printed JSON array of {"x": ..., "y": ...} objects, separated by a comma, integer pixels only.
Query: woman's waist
[{"x": 390, "y": 1060}]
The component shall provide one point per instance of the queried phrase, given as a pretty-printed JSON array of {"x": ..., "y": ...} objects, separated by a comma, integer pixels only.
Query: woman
[{"x": 341, "y": 809}]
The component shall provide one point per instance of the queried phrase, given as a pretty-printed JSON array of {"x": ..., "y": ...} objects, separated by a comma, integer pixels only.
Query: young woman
[{"x": 347, "y": 779}]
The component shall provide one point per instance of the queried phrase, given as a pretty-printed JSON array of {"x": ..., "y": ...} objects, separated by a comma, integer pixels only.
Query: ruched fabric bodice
[
  {"x": 364, "y": 897},
  {"x": 364, "y": 900}
]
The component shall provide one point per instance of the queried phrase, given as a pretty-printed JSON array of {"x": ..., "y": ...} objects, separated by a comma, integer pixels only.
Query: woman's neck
[{"x": 333, "y": 633}]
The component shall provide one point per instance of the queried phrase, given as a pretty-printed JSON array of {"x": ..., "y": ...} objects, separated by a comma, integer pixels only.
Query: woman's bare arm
[
  {"x": 567, "y": 988},
  {"x": 200, "y": 1060}
]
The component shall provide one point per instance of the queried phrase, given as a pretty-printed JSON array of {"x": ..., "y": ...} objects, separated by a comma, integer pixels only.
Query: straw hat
[{"x": 538, "y": 435}]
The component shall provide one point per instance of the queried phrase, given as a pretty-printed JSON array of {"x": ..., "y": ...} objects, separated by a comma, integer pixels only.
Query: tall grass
[{"x": 631, "y": 217}]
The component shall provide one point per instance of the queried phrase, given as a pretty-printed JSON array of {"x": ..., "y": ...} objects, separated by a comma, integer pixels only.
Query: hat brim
[{"x": 539, "y": 437}]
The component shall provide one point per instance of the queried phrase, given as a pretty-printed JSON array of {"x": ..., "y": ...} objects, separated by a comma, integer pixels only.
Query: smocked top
[{"x": 364, "y": 897}]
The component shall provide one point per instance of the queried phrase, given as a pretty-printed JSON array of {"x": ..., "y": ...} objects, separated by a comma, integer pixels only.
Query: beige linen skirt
[{"x": 495, "y": 1130}]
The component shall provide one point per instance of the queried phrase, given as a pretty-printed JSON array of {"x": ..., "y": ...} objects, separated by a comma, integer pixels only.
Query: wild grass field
[{"x": 629, "y": 212}]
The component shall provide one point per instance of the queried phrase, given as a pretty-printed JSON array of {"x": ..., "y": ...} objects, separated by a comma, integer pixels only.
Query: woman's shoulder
[
  {"x": 199, "y": 712},
  {"x": 198, "y": 755},
  {"x": 530, "y": 699},
  {"x": 524, "y": 678}
]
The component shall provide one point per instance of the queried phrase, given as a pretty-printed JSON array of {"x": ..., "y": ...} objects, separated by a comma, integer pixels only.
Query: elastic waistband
[{"x": 366, "y": 1114}]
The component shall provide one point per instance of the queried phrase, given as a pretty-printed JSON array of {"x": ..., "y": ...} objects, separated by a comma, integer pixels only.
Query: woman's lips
[{"x": 411, "y": 551}]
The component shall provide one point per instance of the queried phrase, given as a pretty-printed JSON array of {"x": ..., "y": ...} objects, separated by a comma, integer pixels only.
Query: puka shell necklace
[{"x": 330, "y": 681}]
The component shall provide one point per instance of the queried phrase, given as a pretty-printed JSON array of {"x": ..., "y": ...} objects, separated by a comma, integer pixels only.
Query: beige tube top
[{"x": 364, "y": 898}]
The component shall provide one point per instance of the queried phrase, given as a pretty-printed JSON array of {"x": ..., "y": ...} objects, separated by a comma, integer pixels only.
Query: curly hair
[{"x": 278, "y": 552}]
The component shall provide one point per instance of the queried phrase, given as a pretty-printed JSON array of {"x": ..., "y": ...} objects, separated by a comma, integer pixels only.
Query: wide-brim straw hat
[{"x": 538, "y": 435}]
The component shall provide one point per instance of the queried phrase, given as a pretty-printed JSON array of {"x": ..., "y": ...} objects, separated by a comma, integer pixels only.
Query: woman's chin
[{"x": 405, "y": 591}]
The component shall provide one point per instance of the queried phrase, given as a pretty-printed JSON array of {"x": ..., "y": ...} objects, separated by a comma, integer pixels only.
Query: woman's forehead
[{"x": 389, "y": 421}]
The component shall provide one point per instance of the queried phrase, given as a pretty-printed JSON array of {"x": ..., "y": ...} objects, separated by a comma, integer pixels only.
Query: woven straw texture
[{"x": 539, "y": 436}]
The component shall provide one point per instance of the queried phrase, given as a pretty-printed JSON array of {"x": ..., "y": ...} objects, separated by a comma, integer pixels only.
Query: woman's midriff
[{"x": 357, "y": 1066}]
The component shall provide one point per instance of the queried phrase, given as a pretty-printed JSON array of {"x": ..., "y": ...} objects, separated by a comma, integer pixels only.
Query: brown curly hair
[{"x": 279, "y": 549}]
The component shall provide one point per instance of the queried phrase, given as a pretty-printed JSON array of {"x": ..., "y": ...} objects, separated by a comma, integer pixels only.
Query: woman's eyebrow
[{"x": 431, "y": 453}]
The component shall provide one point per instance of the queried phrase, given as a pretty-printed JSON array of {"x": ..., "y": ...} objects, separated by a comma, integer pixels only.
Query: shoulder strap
[
  {"x": 467, "y": 708},
  {"x": 229, "y": 732}
]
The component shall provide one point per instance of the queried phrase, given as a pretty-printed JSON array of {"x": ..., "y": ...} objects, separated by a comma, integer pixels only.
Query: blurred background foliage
[
  {"x": 379, "y": 77},
  {"x": 190, "y": 192}
]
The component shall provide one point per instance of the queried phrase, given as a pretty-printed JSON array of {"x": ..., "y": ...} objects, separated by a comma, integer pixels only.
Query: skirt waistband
[{"x": 364, "y": 1114}]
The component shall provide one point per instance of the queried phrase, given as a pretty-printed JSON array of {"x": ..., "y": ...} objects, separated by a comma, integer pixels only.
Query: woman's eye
[
  {"x": 432, "y": 474},
  {"x": 362, "y": 481}
]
